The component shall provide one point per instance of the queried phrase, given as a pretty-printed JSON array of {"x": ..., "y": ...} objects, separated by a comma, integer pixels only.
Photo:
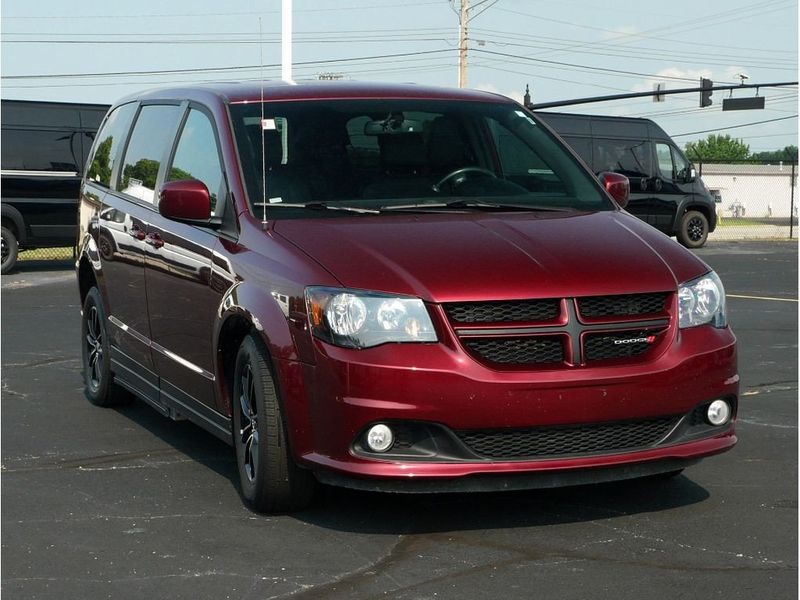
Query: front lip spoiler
[
  {"x": 422, "y": 477},
  {"x": 505, "y": 481}
]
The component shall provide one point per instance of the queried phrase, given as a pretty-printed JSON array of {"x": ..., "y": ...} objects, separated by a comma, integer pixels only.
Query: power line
[
  {"x": 644, "y": 54},
  {"x": 217, "y": 69},
  {"x": 589, "y": 67},
  {"x": 735, "y": 126},
  {"x": 140, "y": 16},
  {"x": 640, "y": 35}
]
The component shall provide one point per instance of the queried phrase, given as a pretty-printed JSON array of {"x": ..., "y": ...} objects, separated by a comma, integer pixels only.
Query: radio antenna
[{"x": 261, "y": 127}]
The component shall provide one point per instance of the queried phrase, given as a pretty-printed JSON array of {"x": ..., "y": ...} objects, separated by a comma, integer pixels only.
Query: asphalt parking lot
[{"x": 100, "y": 503}]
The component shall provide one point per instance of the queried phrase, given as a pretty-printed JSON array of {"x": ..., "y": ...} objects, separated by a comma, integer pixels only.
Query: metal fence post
[{"x": 791, "y": 203}]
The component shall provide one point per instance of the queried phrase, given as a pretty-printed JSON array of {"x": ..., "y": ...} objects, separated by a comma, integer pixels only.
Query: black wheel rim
[
  {"x": 695, "y": 229},
  {"x": 94, "y": 347},
  {"x": 6, "y": 250},
  {"x": 248, "y": 434}
]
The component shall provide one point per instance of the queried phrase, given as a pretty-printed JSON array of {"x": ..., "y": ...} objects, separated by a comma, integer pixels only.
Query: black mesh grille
[
  {"x": 622, "y": 306},
  {"x": 604, "y": 346},
  {"x": 499, "y": 312},
  {"x": 567, "y": 440},
  {"x": 530, "y": 350},
  {"x": 698, "y": 416}
]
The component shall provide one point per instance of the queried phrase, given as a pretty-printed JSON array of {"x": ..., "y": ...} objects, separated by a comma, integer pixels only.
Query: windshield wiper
[
  {"x": 461, "y": 203},
  {"x": 318, "y": 206}
]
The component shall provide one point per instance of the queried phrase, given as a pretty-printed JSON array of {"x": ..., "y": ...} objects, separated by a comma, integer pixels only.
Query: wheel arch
[
  {"x": 88, "y": 268},
  {"x": 246, "y": 308},
  {"x": 691, "y": 204},
  {"x": 13, "y": 218}
]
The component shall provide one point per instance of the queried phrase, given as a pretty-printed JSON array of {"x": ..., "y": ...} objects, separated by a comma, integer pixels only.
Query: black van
[
  {"x": 44, "y": 148},
  {"x": 665, "y": 189}
]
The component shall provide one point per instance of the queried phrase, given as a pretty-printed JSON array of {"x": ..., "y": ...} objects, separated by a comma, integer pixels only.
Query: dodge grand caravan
[{"x": 395, "y": 288}]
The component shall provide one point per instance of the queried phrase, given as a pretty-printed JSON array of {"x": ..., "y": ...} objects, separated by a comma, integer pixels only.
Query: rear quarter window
[{"x": 109, "y": 143}]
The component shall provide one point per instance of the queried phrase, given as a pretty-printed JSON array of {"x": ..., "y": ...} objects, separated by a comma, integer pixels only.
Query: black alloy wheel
[
  {"x": 270, "y": 479},
  {"x": 10, "y": 250},
  {"x": 99, "y": 387},
  {"x": 693, "y": 231},
  {"x": 248, "y": 434}
]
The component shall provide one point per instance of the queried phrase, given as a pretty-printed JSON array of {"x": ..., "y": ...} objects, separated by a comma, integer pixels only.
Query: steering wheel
[{"x": 459, "y": 172}]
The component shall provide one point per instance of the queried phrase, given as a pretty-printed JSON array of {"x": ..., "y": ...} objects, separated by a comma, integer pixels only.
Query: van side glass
[
  {"x": 665, "y": 166},
  {"x": 682, "y": 166}
]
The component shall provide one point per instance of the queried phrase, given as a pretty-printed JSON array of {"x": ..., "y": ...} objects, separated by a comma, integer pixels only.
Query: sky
[{"x": 98, "y": 51}]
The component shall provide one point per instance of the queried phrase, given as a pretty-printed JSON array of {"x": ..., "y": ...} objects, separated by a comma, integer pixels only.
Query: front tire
[
  {"x": 270, "y": 479},
  {"x": 99, "y": 388},
  {"x": 10, "y": 250},
  {"x": 693, "y": 231}
]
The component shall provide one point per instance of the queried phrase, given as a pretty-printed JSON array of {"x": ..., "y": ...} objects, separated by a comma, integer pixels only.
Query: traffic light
[{"x": 705, "y": 93}]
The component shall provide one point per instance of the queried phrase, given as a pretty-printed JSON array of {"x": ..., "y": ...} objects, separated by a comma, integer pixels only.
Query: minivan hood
[{"x": 495, "y": 256}]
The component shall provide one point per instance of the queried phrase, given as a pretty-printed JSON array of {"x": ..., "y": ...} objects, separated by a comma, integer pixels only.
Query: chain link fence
[
  {"x": 755, "y": 198},
  {"x": 65, "y": 253}
]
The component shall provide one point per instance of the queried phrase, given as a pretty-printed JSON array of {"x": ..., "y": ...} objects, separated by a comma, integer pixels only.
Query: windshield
[{"x": 406, "y": 155}]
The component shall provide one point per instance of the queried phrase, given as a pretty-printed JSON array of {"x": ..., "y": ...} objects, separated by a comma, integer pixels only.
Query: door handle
[
  {"x": 137, "y": 233},
  {"x": 154, "y": 240}
]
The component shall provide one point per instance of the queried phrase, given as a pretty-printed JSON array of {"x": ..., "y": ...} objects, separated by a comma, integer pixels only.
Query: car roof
[{"x": 245, "y": 92}]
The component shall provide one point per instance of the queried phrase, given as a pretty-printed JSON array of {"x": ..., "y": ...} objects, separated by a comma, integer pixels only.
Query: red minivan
[{"x": 392, "y": 287}]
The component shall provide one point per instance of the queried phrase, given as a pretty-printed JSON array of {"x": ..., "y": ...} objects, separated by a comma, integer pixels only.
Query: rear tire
[
  {"x": 693, "y": 231},
  {"x": 10, "y": 250},
  {"x": 270, "y": 479},
  {"x": 99, "y": 388}
]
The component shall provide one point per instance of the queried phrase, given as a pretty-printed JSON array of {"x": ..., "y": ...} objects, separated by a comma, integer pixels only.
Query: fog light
[
  {"x": 380, "y": 438},
  {"x": 719, "y": 412}
]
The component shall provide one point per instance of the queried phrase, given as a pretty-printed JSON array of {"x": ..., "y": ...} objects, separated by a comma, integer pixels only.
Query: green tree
[
  {"x": 788, "y": 154},
  {"x": 717, "y": 148},
  {"x": 145, "y": 170},
  {"x": 100, "y": 169}
]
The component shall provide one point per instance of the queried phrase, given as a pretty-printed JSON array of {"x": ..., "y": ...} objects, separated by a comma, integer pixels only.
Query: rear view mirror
[
  {"x": 185, "y": 200},
  {"x": 393, "y": 124},
  {"x": 689, "y": 175},
  {"x": 618, "y": 187}
]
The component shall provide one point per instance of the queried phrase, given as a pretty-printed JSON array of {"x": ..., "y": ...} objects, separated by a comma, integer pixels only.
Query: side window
[
  {"x": 41, "y": 150},
  {"x": 107, "y": 147},
  {"x": 152, "y": 135},
  {"x": 197, "y": 156},
  {"x": 628, "y": 157},
  {"x": 681, "y": 164},
  {"x": 664, "y": 155}
]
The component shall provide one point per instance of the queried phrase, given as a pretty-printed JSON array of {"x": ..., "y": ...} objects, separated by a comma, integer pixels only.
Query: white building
[{"x": 752, "y": 191}]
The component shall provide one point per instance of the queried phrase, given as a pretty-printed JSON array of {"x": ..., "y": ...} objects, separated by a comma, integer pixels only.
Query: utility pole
[
  {"x": 463, "y": 21},
  {"x": 465, "y": 14},
  {"x": 286, "y": 41}
]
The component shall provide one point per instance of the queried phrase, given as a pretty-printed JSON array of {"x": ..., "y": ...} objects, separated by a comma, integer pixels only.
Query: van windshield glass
[{"x": 377, "y": 154}]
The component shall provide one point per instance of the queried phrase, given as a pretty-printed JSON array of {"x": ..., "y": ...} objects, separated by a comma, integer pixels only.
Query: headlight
[
  {"x": 359, "y": 319},
  {"x": 702, "y": 301}
]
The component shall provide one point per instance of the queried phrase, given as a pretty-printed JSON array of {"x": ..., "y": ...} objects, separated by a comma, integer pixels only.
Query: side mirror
[
  {"x": 185, "y": 200},
  {"x": 618, "y": 187},
  {"x": 690, "y": 175}
]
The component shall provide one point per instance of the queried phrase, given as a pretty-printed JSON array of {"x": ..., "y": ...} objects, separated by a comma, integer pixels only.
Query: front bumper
[{"x": 332, "y": 402}]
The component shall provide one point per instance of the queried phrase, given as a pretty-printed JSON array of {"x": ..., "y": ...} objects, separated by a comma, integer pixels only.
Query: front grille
[
  {"x": 500, "y": 312},
  {"x": 521, "y": 351},
  {"x": 605, "y": 346},
  {"x": 567, "y": 440},
  {"x": 623, "y": 305}
]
